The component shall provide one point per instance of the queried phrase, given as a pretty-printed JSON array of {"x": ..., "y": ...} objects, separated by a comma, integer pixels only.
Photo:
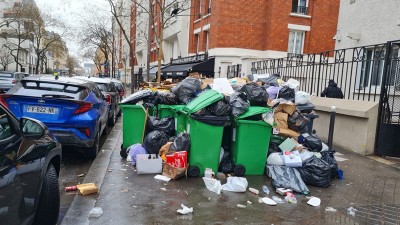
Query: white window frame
[
  {"x": 197, "y": 42},
  {"x": 294, "y": 41},
  {"x": 207, "y": 39}
]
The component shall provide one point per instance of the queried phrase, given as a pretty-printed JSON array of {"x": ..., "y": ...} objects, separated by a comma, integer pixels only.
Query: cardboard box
[
  {"x": 178, "y": 159},
  {"x": 148, "y": 163},
  {"x": 87, "y": 189},
  {"x": 292, "y": 159},
  {"x": 173, "y": 172}
]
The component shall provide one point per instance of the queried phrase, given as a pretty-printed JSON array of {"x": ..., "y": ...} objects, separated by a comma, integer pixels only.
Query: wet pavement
[{"x": 73, "y": 171}]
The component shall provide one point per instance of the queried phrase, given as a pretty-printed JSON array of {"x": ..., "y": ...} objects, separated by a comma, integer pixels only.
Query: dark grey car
[{"x": 29, "y": 167}]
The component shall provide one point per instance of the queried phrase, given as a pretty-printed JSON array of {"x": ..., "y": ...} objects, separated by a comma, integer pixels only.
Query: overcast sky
[{"x": 72, "y": 12}]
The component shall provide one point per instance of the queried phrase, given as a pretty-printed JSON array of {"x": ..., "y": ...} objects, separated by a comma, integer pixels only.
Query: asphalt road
[{"x": 73, "y": 170}]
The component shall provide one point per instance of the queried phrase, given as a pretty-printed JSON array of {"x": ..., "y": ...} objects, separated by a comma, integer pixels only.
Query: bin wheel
[
  {"x": 193, "y": 171},
  {"x": 239, "y": 170},
  {"x": 123, "y": 152}
]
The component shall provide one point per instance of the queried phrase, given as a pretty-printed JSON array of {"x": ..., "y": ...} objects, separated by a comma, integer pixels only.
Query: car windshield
[
  {"x": 6, "y": 75},
  {"x": 118, "y": 86},
  {"x": 104, "y": 87}
]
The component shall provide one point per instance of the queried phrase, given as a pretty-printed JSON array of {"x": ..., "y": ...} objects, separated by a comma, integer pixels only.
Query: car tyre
[
  {"x": 91, "y": 152},
  {"x": 113, "y": 119},
  {"x": 49, "y": 202}
]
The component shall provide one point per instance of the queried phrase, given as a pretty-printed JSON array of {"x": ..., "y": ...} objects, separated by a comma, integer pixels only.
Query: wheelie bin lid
[
  {"x": 203, "y": 100},
  {"x": 252, "y": 111}
]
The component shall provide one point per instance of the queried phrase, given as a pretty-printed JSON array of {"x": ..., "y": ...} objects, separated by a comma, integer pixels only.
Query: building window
[
  {"x": 200, "y": 6},
  {"x": 207, "y": 40},
  {"x": 296, "y": 42},
  {"x": 372, "y": 68},
  {"x": 300, "y": 7},
  {"x": 208, "y": 7},
  {"x": 172, "y": 49}
]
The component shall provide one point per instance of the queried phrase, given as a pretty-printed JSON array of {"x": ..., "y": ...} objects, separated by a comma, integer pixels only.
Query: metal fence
[
  {"x": 357, "y": 71},
  {"x": 234, "y": 71}
]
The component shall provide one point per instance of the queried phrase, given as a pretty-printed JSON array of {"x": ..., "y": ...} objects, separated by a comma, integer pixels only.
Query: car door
[
  {"x": 11, "y": 191},
  {"x": 102, "y": 105},
  {"x": 115, "y": 97}
]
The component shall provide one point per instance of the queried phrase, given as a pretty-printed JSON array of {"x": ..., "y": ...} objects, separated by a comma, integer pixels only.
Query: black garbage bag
[
  {"x": 151, "y": 100},
  {"x": 239, "y": 104},
  {"x": 272, "y": 148},
  {"x": 154, "y": 141},
  {"x": 166, "y": 125},
  {"x": 185, "y": 90},
  {"x": 167, "y": 98},
  {"x": 213, "y": 120},
  {"x": 328, "y": 157},
  {"x": 226, "y": 165},
  {"x": 220, "y": 108},
  {"x": 287, "y": 177},
  {"x": 271, "y": 80},
  {"x": 181, "y": 142},
  {"x": 316, "y": 172},
  {"x": 313, "y": 142},
  {"x": 297, "y": 121},
  {"x": 136, "y": 97},
  {"x": 257, "y": 95},
  {"x": 287, "y": 93}
]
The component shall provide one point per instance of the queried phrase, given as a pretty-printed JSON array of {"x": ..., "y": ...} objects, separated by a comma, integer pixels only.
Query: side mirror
[{"x": 31, "y": 128}]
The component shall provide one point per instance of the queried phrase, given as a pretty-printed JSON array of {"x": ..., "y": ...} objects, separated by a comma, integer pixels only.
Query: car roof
[
  {"x": 7, "y": 72},
  {"x": 94, "y": 79},
  {"x": 51, "y": 78},
  {"x": 115, "y": 80}
]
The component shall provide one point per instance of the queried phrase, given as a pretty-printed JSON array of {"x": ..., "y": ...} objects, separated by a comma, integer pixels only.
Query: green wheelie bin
[
  {"x": 250, "y": 141},
  {"x": 175, "y": 112},
  {"x": 205, "y": 139},
  {"x": 133, "y": 126}
]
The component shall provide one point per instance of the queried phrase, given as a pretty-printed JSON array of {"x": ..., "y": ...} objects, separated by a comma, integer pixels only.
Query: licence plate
[{"x": 42, "y": 109}]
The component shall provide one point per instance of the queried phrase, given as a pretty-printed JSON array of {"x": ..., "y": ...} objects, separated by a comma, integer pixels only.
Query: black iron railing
[
  {"x": 234, "y": 71},
  {"x": 357, "y": 71},
  {"x": 300, "y": 10}
]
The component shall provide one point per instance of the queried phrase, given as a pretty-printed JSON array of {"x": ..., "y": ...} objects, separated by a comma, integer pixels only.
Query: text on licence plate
[{"x": 42, "y": 109}]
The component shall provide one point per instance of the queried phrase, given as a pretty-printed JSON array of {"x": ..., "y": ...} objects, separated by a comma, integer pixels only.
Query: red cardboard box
[{"x": 178, "y": 159}]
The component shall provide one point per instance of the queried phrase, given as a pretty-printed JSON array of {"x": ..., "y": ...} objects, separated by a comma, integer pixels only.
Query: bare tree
[
  {"x": 5, "y": 57},
  {"x": 92, "y": 55},
  {"x": 160, "y": 13},
  {"x": 72, "y": 63}
]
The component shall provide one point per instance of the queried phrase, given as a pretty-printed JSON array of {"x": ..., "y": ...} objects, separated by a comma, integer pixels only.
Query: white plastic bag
[
  {"x": 292, "y": 83},
  {"x": 96, "y": 212},
  {"x": 268, "y": 118},
  {"x": 235, "y": 184},
  {"x": 302, "y": 98},
  {"x": 213, "y": 185},
  {"x": 275, "y": 159}
]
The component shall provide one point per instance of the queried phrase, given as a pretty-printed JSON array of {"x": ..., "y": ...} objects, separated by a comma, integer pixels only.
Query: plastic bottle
[
  {"x": 275, "y": 129},
  {"x": 265, "y": 189}
]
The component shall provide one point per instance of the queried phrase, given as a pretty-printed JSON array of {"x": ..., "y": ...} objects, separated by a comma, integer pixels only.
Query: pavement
[{"x": 371, "y": 187}]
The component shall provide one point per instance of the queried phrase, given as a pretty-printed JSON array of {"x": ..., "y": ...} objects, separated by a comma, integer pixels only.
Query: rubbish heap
[{"x": 242, "y": 126}]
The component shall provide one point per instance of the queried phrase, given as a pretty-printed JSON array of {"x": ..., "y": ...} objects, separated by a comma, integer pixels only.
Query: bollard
[{"x": 331, "y": 127}]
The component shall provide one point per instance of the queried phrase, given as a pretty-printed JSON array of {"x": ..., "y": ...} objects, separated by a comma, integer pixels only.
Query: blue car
[{"x": 75, "y": 111}]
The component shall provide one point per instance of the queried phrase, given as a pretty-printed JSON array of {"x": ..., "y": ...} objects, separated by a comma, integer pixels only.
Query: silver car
[{"x": 9, "y": 79}]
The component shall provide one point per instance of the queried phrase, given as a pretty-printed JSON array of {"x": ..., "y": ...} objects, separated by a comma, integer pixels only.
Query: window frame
[{"x": 296, "y": 32}]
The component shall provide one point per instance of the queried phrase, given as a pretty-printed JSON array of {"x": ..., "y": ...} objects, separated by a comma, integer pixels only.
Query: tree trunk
[
  {"x": 160, "y": 55},
  {"x": 38, "y": 63}
]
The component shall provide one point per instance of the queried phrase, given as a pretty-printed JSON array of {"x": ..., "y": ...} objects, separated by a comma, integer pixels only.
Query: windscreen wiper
[{"x": 57, "y": 96}]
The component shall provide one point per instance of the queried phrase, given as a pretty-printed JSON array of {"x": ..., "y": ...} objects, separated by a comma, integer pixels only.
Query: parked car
[
  {"x": 9, "y": 79},
  {"x": 29, "y": 167},
  {"x": 109, "y": 90},
  {"x": 75, "y": 111},
  {"x": 120, "y": 88}
]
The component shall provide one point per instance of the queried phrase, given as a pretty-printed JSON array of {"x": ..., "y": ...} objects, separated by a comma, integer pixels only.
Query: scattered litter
[
  {"x": 260, "y": 200},
  {"x": 283, "y": 191},
  {"x": 241, "y": 206},
  {"x": 351, "y": 211},
  {"x": 164, "y": 202},
  {"x": 265, "y": 189},
  {"x": 163, "y": 189},
  {"x": 235, "y": 184},
  {"x": 134, "y": 206},
  {"x": 290, "y": 198},
  {"x": 340, "y": 159},
  {"x": 254, "y": 191},
  {"x": 314, "y": 201},
  {"x": 330, "y": 209},
  {"x": 71, "y": 188},
  {"x": 186, "y": 192},
  {"x": 96, "y": 212},
  {"x": 87, "y": 189},
  {"x": 162, "y": 178},
  {"x": 185, "y": 210},
  {"x": 209, "y": 198},
  {"x": 268, "y": 201},
  {"x": 213, "y": 185},
  {"x": 277, "y": 199},
  {"x": 126, "y": 177},
  {"x": 110, "y": 170},
  {"x": 129, "y": 158},
  {"x": 81, "y": 175},
  {"x": 249, "y": 203}
]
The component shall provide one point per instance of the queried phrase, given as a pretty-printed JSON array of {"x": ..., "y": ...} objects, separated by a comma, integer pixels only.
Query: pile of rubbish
[{"x": 296, "y": 156}]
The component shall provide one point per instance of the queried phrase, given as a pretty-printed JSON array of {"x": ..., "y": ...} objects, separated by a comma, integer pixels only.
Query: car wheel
[
  {"x": 119, "y": 111},
  {"x": 49, "y": 202},
  {"x": 91, "y": 152},
  {"x": 113, "y": 119}
]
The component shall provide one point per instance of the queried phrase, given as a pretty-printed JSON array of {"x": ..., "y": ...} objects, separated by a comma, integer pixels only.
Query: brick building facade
[{"x": 241, "y": 31}]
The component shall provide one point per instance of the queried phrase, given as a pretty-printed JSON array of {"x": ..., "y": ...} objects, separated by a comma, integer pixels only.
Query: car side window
[
  {"x": 113, "y": 87},
  {"x": 6, "y": 129},
  {"x": 98, "y": 92}
]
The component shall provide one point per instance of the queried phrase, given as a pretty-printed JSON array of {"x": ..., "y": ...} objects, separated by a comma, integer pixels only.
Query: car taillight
[
  {"x": 86, "y": 131},
  {"x": 14, "y": 81},
  {"x": 122, "y": 93},
  {"x": 83, "y": 107},
  {"x": 108, "y": 99},
  {"x": 3, "y": 100}
]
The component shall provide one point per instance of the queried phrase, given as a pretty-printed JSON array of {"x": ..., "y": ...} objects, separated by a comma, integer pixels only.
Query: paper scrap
[
  {"x": 185, "y": 210},
  {"x": 268, "y": 201},
  {"x": 314, "y": 201},
  {"x": 162, "y": 178}
]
